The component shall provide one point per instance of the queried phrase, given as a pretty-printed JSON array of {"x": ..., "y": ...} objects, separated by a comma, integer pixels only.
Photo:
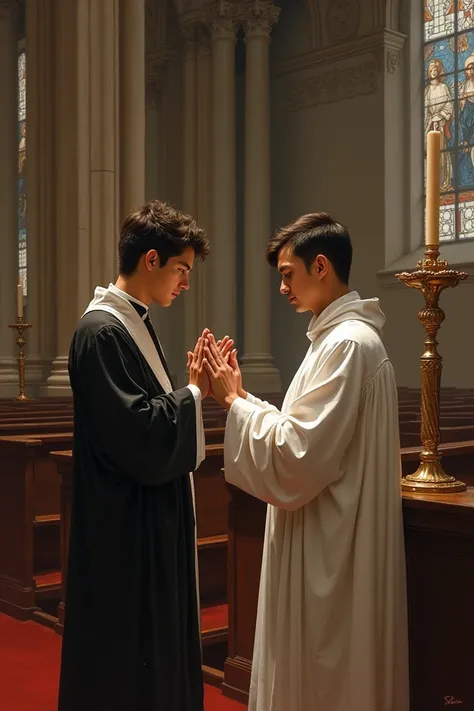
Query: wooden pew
[
  {"x": 439, "y": 543},
  {"x": 211, "y": 505},
  {"x": 35, "y": 427},
  {"x": 29, "y": 522}
]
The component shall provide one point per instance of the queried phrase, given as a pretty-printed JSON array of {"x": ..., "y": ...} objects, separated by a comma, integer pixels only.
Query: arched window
[
  {"x": 22, "y": 259},
  {"x": 449, "y": 108}
]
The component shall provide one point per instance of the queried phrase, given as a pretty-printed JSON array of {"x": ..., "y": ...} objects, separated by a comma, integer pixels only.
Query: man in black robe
[{"x": 132, "y": 635}]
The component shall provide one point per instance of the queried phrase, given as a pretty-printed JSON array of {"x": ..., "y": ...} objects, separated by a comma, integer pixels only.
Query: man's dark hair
[
  {"x": 313, "y": 234},
  {"x": 158, "y": 226}
]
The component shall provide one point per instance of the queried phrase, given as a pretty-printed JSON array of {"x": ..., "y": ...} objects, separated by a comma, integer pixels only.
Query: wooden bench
[
  {"x": 211, "y": 506},
  {"x": 29, "y": 522}
]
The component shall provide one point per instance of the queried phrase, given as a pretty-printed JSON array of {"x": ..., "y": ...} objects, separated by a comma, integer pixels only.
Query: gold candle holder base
[
  {"x": 431, "y": 277},
  {"x": 21, "y": 326}
]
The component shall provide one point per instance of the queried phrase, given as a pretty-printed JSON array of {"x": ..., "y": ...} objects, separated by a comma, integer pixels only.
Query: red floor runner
[{"x": 29, "y": 670}]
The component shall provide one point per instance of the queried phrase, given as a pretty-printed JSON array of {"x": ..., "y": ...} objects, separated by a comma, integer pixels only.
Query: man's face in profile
[
  {"x": 304, "y": 289},
  {"x": 169, "y": 281}
]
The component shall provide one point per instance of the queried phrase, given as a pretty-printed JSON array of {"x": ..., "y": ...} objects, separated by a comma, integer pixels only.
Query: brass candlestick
[
  {"x": 431, "y": 277},
  {"x": 21, "y": 326}
]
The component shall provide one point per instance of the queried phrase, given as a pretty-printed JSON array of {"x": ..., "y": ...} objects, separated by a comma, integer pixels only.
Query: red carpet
[{"x": 29, "y": 670}]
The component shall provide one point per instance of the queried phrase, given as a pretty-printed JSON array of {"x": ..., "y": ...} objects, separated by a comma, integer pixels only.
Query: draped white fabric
[{"x": 331, "y": 631}]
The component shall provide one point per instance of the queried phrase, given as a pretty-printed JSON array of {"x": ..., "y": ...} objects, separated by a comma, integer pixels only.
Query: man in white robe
[{"x": 331, "y": 631}]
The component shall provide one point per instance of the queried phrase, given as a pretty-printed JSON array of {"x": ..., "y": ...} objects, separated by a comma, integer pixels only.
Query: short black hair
[
  {"x": 157, "y": 225},
  {"x": 313, "y": 234}
]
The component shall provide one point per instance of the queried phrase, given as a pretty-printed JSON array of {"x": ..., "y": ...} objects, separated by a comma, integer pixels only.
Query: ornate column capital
[
  {"x": 258, "y": 18},
  {"x": 222, "y": 20}
]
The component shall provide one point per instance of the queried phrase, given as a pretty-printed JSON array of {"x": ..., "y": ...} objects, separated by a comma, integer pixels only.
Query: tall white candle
[
  {"x": 19, "y": 294},
  {"x": 432, "y": 188}
]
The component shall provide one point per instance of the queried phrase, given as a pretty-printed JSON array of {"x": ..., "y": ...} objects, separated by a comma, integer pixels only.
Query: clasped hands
[{"x": 214, "y": 368}]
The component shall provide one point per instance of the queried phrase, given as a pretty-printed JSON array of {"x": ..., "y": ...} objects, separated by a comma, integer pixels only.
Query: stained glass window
[
  {"x": 449, "y": 108},
  {"x": 22, "y": 258}
]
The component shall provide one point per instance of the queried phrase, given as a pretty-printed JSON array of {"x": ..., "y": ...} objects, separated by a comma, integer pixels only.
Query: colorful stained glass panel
[
  {"x": 465, "y": 215},
  {"x": 448, "y": 63},
  {"x": 440, "y": 18},
  {"x": 447, "y": 213}
]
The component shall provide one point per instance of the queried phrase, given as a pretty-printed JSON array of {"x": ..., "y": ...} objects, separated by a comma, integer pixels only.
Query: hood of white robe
[{"x": 347, "y": 308}]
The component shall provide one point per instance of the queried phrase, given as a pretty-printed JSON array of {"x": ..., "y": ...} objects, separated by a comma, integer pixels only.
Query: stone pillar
[
  {"x": 189, "y": 168},
  {"x": 40, "y": 182},
  {"x": 132, "y": 105},
  {"x": 86, "y": 163},
  {"x": 259, "y": 373},
  {"x": 223, "y": 24},
  {"x": 66, "y": 158},
  {"x": 103, "y": 170},
  {"x": 203, "y": 170},
  {"x": 8, "y": 196},
  {"x": 155, "y": 157}
]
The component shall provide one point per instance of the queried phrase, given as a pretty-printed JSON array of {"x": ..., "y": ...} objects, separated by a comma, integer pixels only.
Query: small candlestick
[{"x": 21, "y": 326}]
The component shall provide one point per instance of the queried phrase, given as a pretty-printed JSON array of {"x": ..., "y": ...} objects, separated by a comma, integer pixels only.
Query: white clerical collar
[{"x": 123, "y": 294}]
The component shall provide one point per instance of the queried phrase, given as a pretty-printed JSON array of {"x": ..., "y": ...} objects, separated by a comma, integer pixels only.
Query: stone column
[
  {"x": 132, "y": 105},
  {"x": 86, "y": 163},
  {"x": 104, "y": 177},
  {"x": 258, "y": 371},
  {"x": 41, "y": 197},
  {"x": 8, "y": 196},
  {"x": 66, "y": 157},
  {"x": 223, "y": 24},
  {"x": 189, "y": 168},
  {"x": 155, "y": 156},
  {"x": 203, "y": 170}
]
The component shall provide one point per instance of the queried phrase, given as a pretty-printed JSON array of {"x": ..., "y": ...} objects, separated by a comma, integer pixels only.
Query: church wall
[
  {"x": 346, "y": 138},
  {"x": 327, "y": 155},
  {"x": 404, "y": 333}
]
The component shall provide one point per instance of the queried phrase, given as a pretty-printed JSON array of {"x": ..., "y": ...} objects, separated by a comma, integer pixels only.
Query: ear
[
  {"x": 320, "y": 266},
  {"x": 151, "y": 259}
]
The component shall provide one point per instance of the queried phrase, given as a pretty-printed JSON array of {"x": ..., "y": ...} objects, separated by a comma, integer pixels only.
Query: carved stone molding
[
  {"x": 376, "y": 43},
  {"x": 393, "y": 59},
  {"x": 342, "y": 19},
  {"x": 258, "y": 18},
  {"x": 388, "y": 54},
  {"x": 334, "y": 85}
]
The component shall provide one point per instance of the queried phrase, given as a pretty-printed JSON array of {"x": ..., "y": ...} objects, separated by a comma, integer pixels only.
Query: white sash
[{"x": 113, "y": 302}]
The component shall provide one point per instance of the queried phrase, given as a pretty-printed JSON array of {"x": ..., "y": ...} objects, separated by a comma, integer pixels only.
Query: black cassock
[{"x": 131, "y": 635}]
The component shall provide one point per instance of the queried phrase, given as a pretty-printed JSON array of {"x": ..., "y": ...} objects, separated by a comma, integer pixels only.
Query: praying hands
[{"x": 221, "y": 364}]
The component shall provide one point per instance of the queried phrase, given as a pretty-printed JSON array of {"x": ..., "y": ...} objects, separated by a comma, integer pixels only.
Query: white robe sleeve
[
  {"x": 260, "y": 403},
  {"x": 287, "y": 459},
  {"x": 200, "y": 436}
]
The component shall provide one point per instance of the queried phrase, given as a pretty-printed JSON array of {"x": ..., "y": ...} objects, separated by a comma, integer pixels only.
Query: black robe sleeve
[{"x": 151, "y": 440}]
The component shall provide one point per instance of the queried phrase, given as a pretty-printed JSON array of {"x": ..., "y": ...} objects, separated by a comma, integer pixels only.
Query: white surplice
[{"x": 331, "y": 631}]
